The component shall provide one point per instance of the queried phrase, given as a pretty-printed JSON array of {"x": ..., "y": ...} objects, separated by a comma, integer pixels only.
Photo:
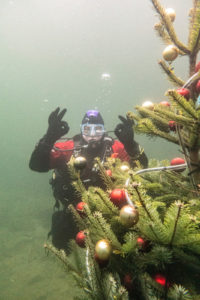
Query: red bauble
[
  {"x": 141, "y": 242},
  {"x": 197, "y": 87},
  {"x": 80, "y": 239},
  {"x": 118, "y": 197},
  {"x": 184, "y": 92},
  {"x": 109, "y": 173},
  {"x": 143, "y": 245},
  {"x": 197, "y": 67},
  {"x": 165, "y": 103},
  {"x": 172, "y": 125},
  {"x": 128, "y": 282},
  {"x": 177, "y": 161},
  {"x": 80, "y": 208},
  {"x": 159, "y": 278}
]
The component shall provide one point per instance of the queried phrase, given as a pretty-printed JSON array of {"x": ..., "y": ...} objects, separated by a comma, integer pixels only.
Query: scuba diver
[{"x": 92, "y": 142}]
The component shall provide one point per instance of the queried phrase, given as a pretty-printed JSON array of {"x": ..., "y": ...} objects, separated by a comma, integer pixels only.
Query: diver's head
[{"x": 92, "y": 127}]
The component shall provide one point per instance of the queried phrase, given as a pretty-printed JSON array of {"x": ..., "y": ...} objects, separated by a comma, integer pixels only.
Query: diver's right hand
[{"x": 57, "y": 128}]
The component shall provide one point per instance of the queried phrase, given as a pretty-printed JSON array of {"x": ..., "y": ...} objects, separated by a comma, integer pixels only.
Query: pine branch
[
  {"x": 194, "y": 33},
  {"x": 158, "y": 120},
  {"x": 98, "y": 200},
  {"x": 130, "y": 243},
  {"x": 142, "y": 202},
  {"x": 108, "y": 233},
  {"x": 181, "y": 224},
  {"x": 179, "y": 205},
  {"x": 186, "y": 156},
  {"x": 162, "y": 33},
  {"x": 192, "y": 261},
  {"x": 130, "y": 115},
  {"x": 170, "y": 73},
  {"x": 112, "y": 287},
  {"x": 178, "y": 292},
  {"x": 152, "y": 290},
  {"x": 146, "y": 126},
  {"x": 93, "y": 272},
  {"x": 183, "y": 103},
  {"x": 113, "y": 209},
  {"x": 191, "y": 19},
  {"x": 106, "y": 179},
  {"x": 79, "y": 221},
  {"x": 171, "y": 115},
  {"x": 60, "y": 254},
  {"x": 159, "y": 257},
  {"x": 169, "y": 27},
  {"x": 93, "y": 225},
  {"x": 79, "y": 186}
]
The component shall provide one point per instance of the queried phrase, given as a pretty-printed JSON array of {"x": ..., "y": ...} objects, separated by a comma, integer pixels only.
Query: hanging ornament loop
[{"x": 176, "y": 167}]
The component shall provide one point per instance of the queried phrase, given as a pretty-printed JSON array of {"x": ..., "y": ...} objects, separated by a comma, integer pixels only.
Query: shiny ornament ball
[
  {"x": 118, "y": 197},
  {"x": 80, "y": 162},
  {"x": 160, "y": 279},
  {"x": 143, "y": 245},
  {"x": 172, "y": 125},
  {"x": 124, "y": 168},
  {"x": 128, "y": 282},
  {"x": 101, "y": 263},
  {"x": 171, "y": 13},
  {"x": 80, "y": 239},
  {"x": 197, "y": 67},
  {"x": 80, "y": 208},
  {"x": 109, "y": 172},
  {"x": 165, "y": 103},
  {"x": 140, "y": 241},
  {"x": 103, "y": 249},
  {"x": 177, "y": 161},
  {"x": 148, "y": 104},
  {"x": 197, "y": 87},
  {"x": 129, "y": 215},
  {"x": 170, "y": 53},
  {"x": 184, "y": 92}
]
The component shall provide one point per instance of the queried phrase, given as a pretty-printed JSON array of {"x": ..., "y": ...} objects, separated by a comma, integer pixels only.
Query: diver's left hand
[{"x": 124, "y": 131}]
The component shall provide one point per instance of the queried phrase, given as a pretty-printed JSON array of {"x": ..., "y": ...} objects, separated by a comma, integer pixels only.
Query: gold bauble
[
  {"x": 170, "y": 53},
  {"x": 80, "y": 162},
  {"x": 103, "y": 249},
  {"x": 171, "y": 13},
  {"x": 148, "y": 104},
  {"x": 129, "y": 215},
  {"x": 124, "y": 168}
]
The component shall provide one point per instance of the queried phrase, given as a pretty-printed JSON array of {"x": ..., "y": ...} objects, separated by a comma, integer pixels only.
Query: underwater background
[{"x": 80, "y": 54}]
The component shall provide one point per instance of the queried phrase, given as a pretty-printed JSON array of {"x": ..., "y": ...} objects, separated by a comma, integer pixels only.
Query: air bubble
[{"x": 105, "y": 76}]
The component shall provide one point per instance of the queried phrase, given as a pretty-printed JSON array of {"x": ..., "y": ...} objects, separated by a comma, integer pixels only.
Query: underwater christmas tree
[
  {"x": 139, "y": 238},
  {"x": 178, "y": 120}
]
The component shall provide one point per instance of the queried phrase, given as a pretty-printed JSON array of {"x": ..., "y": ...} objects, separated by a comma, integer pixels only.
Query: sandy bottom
[{"x": 26, "y": 272}]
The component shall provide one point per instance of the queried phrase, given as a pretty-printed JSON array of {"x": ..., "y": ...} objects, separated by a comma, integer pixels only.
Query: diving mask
[{"x": 92, "y": 130}]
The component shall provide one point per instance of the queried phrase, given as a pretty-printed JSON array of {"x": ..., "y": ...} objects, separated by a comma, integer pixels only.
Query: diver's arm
[
  {"x": 125, "y": 134},
  {"x": 136, "y": 152},
  {"x": 40, "y": 158},
  {"x": 130, "y": 152}
]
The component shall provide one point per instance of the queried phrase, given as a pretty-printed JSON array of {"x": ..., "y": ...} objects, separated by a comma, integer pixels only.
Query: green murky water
[{"x": 56, "y": 53}]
